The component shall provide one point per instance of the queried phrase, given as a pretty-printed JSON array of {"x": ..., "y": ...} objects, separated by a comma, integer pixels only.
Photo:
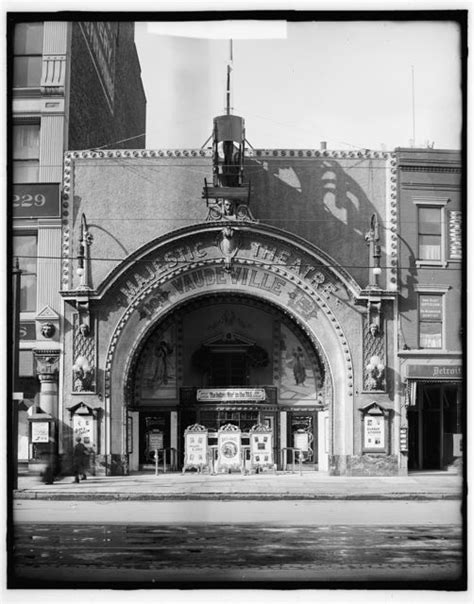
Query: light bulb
[
  {"x": 377, "y": 270},
  {"x": 80, "y": 271}
]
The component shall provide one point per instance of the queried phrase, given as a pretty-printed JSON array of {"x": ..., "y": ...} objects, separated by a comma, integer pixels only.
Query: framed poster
[
  {"x": 261, "y": 447},
  {"x": 374, "y": 432},
  {"x": 195, "y": 449},
  {"x": 229, "y": 453},
  {"x": 84, "y": 426},
  {"x": 155, "y": 440},
  {"x": 40, "y": 432}
]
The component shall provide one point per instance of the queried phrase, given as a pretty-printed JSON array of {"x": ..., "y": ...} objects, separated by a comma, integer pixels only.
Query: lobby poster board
[
  {"x": 261, "y": 447},
  {"x": 195, "y": 448},
  {"x": 229, "y": 448}
]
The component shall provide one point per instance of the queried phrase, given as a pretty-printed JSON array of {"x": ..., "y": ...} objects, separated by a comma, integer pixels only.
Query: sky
[{"x": 351, "y": 84}]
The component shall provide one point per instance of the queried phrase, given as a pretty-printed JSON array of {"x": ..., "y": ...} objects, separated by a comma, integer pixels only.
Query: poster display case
[
  {"x": 374, "y": 429},
  {"x": 195, "y": 448},
  {"x": 261, "y": 447},
  {"x": 229, "y": 449}
]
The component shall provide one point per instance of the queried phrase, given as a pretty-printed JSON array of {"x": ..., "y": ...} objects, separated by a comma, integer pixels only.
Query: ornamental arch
[{"x": 284, "y": 275}]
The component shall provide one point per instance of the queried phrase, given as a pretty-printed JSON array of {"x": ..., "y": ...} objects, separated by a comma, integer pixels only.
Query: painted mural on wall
[
  {"x": 297, "y": 375},
  {"x": 158, "y": 361}
]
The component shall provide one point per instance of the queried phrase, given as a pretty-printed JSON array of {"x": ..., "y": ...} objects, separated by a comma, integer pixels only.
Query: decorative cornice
[
  {"x": 312, "y": 153},
  {"x": 392, "y": 212},
  {"x": 267, "y": 153}
]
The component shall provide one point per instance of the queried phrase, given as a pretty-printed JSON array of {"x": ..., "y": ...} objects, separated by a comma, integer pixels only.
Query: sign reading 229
[
  {"x": 31, "y": 200},
  {"x": 28, "y": 201}
]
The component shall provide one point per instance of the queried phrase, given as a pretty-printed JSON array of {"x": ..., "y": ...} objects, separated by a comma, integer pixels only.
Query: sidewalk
[{"x": 309, "y": 485}]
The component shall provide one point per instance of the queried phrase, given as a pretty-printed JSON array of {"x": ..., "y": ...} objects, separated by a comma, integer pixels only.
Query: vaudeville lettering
[{"x": 253, "y": 277}]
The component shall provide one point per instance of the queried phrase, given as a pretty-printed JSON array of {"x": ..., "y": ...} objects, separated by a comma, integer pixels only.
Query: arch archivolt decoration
[{"x": 270, "y": 282}]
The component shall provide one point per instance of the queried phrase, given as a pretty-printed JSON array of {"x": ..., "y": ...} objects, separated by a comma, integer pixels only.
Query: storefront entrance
[{"x": 435, "y": 427}]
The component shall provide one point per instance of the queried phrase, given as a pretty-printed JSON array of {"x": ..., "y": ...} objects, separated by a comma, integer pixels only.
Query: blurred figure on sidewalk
[{"x": 80, "y": 458}]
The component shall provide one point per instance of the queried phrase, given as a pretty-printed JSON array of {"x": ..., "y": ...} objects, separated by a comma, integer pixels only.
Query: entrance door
[
  {"x": 303, "y": 434},
  {"x": 434, "y": 427},
  {"x": 154, "y": 431}
]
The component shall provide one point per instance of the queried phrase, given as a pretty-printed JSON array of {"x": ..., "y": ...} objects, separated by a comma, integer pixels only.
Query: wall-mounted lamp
[
  {"x": 372, "y": 238},
  {"x": 83, "y": 374},
  {"x": 85, "y": 241},
  {"x": 375, "y": 373}
]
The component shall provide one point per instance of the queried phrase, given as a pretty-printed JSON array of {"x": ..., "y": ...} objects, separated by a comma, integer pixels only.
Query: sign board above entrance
[
  {"x": 230, "y": 394},
  {"x": 434, "y": 371}
]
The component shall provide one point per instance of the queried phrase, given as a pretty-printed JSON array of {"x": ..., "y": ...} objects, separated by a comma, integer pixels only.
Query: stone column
[
  {"x": 47, "y": 364},
  {"x": 49, "y": 394}
]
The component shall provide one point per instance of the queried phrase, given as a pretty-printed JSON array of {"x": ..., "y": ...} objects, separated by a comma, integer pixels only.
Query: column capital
[{"x": 47, "y": 364}]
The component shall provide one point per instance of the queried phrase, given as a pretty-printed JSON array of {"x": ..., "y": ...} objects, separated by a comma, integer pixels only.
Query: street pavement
[
  {"x": 196, "y": 530},
  {"x": 191, "y": 485},
  {"x": 286, "y": 512},
  {"x": 82, "y": 555}
]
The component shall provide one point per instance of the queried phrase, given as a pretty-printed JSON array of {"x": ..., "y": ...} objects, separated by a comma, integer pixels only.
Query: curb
[{"x": 59, "y": 496}]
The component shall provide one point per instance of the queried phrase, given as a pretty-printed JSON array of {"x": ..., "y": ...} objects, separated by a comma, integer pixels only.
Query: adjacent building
[
  {"x": 430, "y": 305},
  {"x": 74, "y": 85}
]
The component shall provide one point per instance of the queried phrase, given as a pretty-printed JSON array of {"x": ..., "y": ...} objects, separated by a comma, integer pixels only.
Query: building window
[
  {"x": 27, "y": 50},
  {"x": 429, "y": 234},
  {"x": 229, "y": 369},
  {"x": 25, "y": 249},
  {"x": 26, "y": 143},
  {"x": 430, "y": 320}
]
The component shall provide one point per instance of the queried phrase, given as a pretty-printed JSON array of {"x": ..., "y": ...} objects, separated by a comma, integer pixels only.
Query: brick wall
[{"x": 94, "y": 120}]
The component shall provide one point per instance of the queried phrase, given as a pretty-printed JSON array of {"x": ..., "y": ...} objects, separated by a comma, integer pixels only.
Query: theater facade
[{"x": 272, "y": 309}]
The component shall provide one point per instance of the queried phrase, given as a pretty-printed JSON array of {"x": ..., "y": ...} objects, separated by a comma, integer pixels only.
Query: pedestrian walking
[{"x": 79, "y": 460}]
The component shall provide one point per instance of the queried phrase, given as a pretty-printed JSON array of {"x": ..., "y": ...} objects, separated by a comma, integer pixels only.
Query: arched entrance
[
  {"x": 201, "y": 362},
  {"x": 193, "y": 264}
]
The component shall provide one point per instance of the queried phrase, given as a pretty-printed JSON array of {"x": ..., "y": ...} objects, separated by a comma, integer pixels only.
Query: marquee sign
[{"x": 230, "y": 394}]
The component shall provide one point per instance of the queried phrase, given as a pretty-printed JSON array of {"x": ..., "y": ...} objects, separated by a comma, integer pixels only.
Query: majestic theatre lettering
[{"x": 255, "y": 267}]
